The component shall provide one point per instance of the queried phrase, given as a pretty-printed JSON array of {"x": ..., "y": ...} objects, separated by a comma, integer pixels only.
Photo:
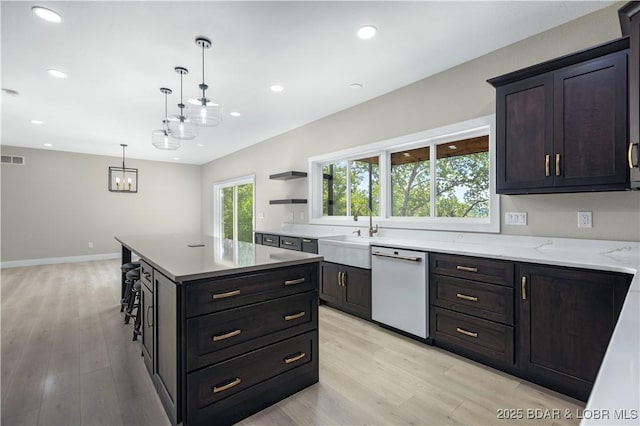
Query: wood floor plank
[{"x": 98, "y": 399}]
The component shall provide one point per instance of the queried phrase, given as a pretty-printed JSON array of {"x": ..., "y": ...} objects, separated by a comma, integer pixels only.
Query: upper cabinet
[
  {"x": 562, "y": 125},
  {"x": 630, "y": 23}
]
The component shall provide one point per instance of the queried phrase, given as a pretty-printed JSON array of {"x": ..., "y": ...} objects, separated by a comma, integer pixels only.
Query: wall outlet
[
  {"x": 585, "y": 220},
  {"x": 260, "y": 215},
  {"x": 515, "y": 218},
  {"x": 90, "y": 244},
  {"x": 290, "y": 215},
  {"x": 301, "y": 215}
]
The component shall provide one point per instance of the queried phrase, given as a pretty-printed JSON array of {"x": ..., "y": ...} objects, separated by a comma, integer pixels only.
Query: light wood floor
[{"x": 68, "y": 359}]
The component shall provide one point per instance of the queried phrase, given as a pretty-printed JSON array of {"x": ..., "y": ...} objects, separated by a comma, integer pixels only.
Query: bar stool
[
  {"x": 123, "y": 293},
  {"x": 136, "y": 305},
  {"x": 131, "y": 277}
]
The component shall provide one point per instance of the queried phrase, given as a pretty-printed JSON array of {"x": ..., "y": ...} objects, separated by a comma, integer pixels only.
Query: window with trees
[
  {"x": 439, "y": 179},
  {"x": 234, "y": 205}
]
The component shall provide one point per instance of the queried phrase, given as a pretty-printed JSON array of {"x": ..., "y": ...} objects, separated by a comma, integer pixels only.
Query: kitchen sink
[{"x": 347, "y": 250}]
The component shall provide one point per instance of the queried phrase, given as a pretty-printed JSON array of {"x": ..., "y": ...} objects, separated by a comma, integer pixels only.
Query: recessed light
[
  {"x": 367, "y": 31},
  {"x": 453, "y": 147},
  {"x": 47, "y": 144},
  {"x": 46, "y": 14},
  {"x": 200, "y": 144},
  {"x": 57, "y": 73},
  {"x": 406, "y": 154},
  {"x": 234, "y": 114},
  {"x": 277, "y": 88},
  {"x": 37, "y": 122},
  {"x": 9, "y": 92},
  {"x": 355, "y": 86},
  {"x": 176, "y": 158}
]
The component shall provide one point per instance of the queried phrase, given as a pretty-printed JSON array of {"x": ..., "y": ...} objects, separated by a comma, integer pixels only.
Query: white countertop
[
  {"x": 186, "y": 257},
  {"x": 617, "y": 386}
]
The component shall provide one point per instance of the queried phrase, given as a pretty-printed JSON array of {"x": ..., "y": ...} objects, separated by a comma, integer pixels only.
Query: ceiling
[{"x": 118, "y": 54}]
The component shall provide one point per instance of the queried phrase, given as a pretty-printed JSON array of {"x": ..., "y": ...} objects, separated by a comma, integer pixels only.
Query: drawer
[
  {"x": 146, "y": 275},
  {"x": 488, "y": 301},
  {"x": 257, "y": 238},
  {"x": 291, "y": 243},
  {"x": 486, "y": 338},
  {"x": 473, "y": 268},
  {"x": 270, "y": 240},
  {"x": 227, "y": 378},
  {"x": 229, "y": 292},
  {"x": 310, "y": 245},
  {"x": 222, "y": 335}
]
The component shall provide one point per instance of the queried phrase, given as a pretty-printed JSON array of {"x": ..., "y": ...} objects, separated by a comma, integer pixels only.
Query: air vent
[{"x": 13, "y": 159}]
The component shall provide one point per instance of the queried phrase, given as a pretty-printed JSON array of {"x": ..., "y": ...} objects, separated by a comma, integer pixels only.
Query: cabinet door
[
  {"x": 357, "y": 291},
  {"x": 566, "y": 319},
  {"x": 524, "y": 134},
  {"x": 330, "y": 288},
  {"x": 590, "y": 123},
  {"x": 147, "y": 327},
  {"x": 166, "y": 362},
  {"x": 634, "y": 97}
]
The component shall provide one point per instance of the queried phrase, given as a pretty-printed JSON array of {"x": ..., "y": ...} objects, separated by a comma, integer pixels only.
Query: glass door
[{"x": 233, "y": 217}]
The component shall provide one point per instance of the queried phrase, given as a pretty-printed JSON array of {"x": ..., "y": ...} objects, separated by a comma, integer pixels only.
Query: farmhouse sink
[{"x": 347, "y": 250}]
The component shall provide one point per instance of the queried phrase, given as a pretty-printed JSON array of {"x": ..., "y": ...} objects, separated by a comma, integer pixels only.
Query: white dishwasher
[{"x": 399, "y": 296}]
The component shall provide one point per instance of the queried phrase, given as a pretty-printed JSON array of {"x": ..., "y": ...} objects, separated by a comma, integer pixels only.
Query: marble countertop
[
  {"x": 186, "y": 257},
  {"x": 301, "y": 233}
]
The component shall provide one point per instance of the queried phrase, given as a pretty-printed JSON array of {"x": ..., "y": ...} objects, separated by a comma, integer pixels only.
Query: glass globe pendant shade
[
  {"x": 207, "y": 115},
  {"x": 182, "y": 128},
  {"x": 161, "y": 140}
]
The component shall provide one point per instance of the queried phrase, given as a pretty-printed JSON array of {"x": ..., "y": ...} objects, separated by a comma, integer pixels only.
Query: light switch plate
[
  {"x": 585, "y": 220},
  {"x": 260, "y": 215},
  {"x": 515, "y": 218}
]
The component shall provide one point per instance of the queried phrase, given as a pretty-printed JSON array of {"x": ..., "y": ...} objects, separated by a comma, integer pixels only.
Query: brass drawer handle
[
  {"x": 269, "y": 240},
  {"x": 229, "y": 385},
  {"x": 306, "y": 241},
  {"x": 292, "y": 282},
  {"x": 467, "y": 268},
  {"x": 147, "y": 276},
  {"x": 226, "y": 336},
  {"x": 466, "y": 333},
  {"x": 557, "y": 164},
  {"x": 149, "y": 323},
  {"x": 547, "y": 159},
  {"x": 294, "y": 316},
  {"x": 295, "y": 358},
  {"x": 465, "y": 297},
  {"x": 225, "y": 295},
  {"x": 523, "y": 287},
  {"x": 630, "y": 155},
  {"x": 288, "y": 243}
]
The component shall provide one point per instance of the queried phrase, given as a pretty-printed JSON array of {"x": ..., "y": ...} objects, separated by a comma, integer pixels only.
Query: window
[
  {"x": 437, "y": 179},
  {"x": 233, "y": 209},
  {"x": 351, "y": 187}
]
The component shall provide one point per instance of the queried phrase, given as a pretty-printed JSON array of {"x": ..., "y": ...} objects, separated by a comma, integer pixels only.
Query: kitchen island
[{"x": 229, "y": 327}]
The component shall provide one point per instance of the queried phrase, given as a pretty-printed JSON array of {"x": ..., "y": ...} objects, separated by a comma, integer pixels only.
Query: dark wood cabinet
[
  {"x": 566, "y": 319},
  {"x": 471, "y": 307},
  {"x": 630, "y": 23},
  {"x": 147, "y": 327},
  {"x": 307, "y": 245},
  {"x": 562, "y": 125},
  {"x": 347, "y": 288}
]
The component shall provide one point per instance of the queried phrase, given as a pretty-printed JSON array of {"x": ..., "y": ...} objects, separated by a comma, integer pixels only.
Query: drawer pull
[
  {"x": 226, "y": 336},
  {"x": 294, "y": 316},
  {"x": 229, "y": 385},
  {"x": 523, "y": 287},
  {"x": 557, "y": 164},
  {"x": 465, "y": 297},
  {"x": 149, "y": 323},
  {"x": 546, "y": 165},
  {"x": 292, "y": 282},
  {"x": 269, "y": 240},
  {"x": 288, "y": 243},
  {"x": 466, "y": 333},
  {"x": 630, "y": 155},
  {"x": 304, "y": 240},
  {"x": 147, "y": 276},
  {"x": 295, "y": 358},
  {"x": 225, "y": 295},
  {"x": 466, "y": 268}
]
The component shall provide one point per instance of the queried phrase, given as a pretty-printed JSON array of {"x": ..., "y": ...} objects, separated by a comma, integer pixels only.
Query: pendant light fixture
[
  {"x": 160, "y": 138},
  {"x": 123, "y": 179},
  {"x": 208, "y": 113},
  {"x": 181, "y": 126}
]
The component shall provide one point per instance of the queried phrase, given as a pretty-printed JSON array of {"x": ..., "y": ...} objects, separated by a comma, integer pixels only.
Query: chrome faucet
[
  {"x": 372, "y": 230},
  {"x": 357, "y": 232}
]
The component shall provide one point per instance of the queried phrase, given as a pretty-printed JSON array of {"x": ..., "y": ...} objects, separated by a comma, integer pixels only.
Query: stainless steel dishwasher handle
[{"x": 392, "y": 256}]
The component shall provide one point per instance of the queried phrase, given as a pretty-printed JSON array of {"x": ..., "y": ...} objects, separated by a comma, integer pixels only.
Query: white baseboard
[{"x": 52, "y": 260}]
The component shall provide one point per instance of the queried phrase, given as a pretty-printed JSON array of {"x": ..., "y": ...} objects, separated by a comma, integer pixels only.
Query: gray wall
[
  {"x": 455, "y": 95},
  {"x": 58, "y": 202}
]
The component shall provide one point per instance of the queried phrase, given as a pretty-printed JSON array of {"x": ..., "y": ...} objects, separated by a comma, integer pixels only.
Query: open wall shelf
[
  {"x": 289, "y": 201},
  {"x": 288, "y": 175}
]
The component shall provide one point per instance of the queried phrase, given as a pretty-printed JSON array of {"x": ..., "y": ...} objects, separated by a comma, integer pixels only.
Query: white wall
[
  {"x": 455, "y": 95},
  {"x": 58, "y": 202}
]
